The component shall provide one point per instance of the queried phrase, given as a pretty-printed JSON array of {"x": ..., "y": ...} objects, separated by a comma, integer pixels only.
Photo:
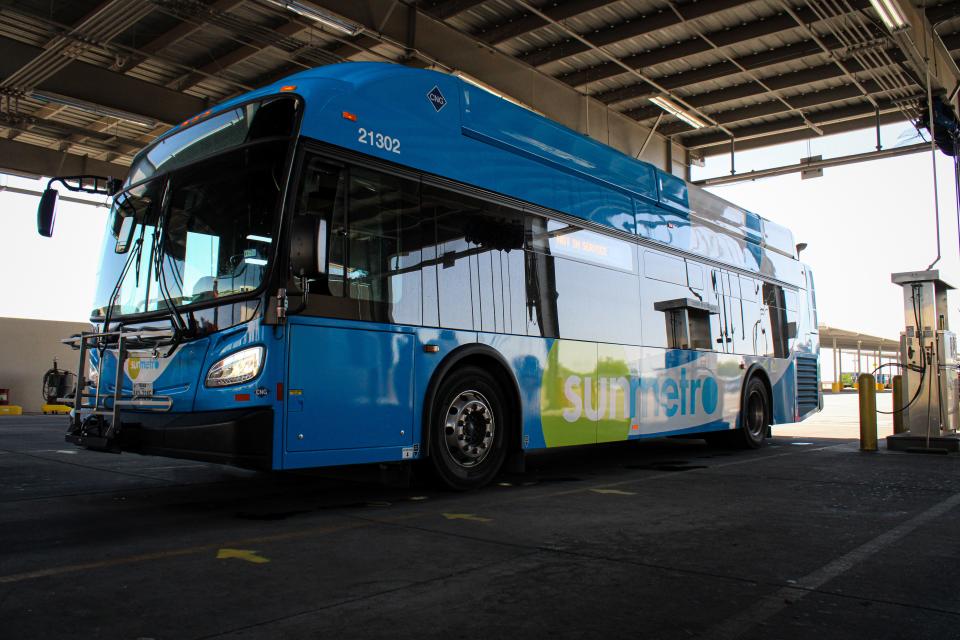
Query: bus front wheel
[
  {"x": 754, "y": 414},
  {"x": 469, "y": 432}
]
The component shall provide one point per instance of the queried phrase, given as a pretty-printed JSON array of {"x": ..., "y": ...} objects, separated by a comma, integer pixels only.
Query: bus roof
[{"x": 455, "y": 129}]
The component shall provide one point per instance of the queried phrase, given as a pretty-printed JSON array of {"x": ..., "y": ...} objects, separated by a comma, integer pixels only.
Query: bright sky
[{"x": 862, "y": 222}]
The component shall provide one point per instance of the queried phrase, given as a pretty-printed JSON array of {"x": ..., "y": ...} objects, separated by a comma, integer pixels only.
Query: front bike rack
[{"x": 95, "y": 418}]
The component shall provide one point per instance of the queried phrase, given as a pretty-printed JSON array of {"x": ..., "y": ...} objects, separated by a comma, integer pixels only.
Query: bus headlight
[{"x": 236, "y": 368}]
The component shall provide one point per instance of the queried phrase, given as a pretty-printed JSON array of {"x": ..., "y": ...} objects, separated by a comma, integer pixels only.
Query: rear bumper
[{"x": 240, "y": 437}]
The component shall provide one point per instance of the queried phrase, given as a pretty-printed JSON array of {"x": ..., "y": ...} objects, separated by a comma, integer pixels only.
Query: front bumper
[{"x": 239, "y": 437}]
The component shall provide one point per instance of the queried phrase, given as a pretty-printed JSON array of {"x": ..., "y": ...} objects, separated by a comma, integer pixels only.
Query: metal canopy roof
[
  {"x": 86, "y": 83},
  {"x": 834, "y": 338}
]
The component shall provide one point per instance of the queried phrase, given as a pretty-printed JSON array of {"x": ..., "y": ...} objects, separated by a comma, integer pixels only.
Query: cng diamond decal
[{"x": 436, "y": 98}]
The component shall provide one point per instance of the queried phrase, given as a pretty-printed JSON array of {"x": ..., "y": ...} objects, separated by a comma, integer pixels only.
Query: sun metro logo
[
  {"x": 149, "y": 369},
  {"x": 621, "y": 392},
  {"x": 133, "y": 368},
  {"x": 668, "y": 393}
]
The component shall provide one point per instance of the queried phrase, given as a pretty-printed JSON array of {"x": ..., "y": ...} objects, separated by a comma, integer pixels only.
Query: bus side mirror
[
  {"x": 308, "y": 246},
  {"x": 47, "y": 212}
]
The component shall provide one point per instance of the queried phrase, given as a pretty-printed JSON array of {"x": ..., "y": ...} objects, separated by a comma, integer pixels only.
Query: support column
[{"x": 859, "y": 361}]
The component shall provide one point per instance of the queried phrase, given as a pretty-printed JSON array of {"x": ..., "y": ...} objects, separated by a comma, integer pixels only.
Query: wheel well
[
  {"x": 756, "y": 371},
  {"x": 485, "y": 358}
]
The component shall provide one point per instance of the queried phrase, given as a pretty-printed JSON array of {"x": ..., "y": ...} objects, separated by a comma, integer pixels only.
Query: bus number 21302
[{"x": 378, "y": 140}]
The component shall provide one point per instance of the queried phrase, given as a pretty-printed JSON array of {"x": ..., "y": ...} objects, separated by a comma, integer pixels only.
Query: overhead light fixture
[
  {"x": 319, "y": 15},
  {"x": 891, "y": 14},
  {"x": 93, "y": 108},
  {"x": 674, "y": 110}
]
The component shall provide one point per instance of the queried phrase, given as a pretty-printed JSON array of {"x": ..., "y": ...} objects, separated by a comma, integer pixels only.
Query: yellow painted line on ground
[
  {"x": 248, "y": 555},
  {"x": 614, "y": 492},
  {"x": 174, "y": 553},
  {"x": 466, "y": 516}
]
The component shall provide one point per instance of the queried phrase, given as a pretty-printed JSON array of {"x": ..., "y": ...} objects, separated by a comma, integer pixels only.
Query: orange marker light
[
  {"x": 352, "y": 117},
  {"x": 289, "y": 87}
]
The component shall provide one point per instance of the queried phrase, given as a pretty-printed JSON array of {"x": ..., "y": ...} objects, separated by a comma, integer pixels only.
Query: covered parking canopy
[
  {"x": 853, "y": 342},
  {"x": 85, "y": 83}
]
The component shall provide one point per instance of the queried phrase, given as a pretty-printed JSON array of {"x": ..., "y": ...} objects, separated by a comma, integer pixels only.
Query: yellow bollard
[
  {"x": 898, "y": 405},
  {"x": 868, "y": 412},
  {"x": 837, "y": 387}
]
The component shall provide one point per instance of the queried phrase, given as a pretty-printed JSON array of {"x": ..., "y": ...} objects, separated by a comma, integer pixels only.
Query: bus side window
[
  {"x": 475, "y": 271},
  {"x": 750, "y": 339},
  {"x": 374, "y": 245},
  {"x": 383, "y": 242},
  {"x": 580, "y": 285},
  {"x": 782, "y": 330}
]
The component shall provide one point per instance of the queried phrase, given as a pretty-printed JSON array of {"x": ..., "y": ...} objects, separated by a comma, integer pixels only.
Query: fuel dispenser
[{"x": 928, "y": 355}]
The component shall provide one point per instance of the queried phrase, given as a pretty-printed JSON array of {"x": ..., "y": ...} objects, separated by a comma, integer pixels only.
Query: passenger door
[
  {"x": 351, "y": 345},
  {"x": 348, "y": 388}
]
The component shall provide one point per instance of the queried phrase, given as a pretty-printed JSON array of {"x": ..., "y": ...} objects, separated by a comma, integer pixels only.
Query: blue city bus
[{"x": 367, "y": 263}]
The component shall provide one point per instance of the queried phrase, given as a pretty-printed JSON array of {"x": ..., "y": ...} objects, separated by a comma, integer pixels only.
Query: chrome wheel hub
[
  {"x": 756, "y": 413},
  {"x": 469, "y": 428}
]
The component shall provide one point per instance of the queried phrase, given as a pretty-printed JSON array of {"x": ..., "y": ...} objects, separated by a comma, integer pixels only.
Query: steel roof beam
[
  {"x": 791, "y": 80},
  {"x": 752, "y": 61},
  {"x": 445, "y": 9},
  {"x": 638, "y": 26},
  {"x": 41, "y": 161},
  {"x": 746, "y": 90},
  {"x": 104, "y": 87},
  {"x": 865, "y": 120},
  {"x": 925, "y": 52},
  {"x": 235, "y": 56},
  {"x": 775, "y": 107},
  {"x": 176, "y": 34},
  {"x": 942, "y": 11},
  {"x": 816, "y": 164},
  {"x": 639, "y": 75},
  {"x": 821, "y": 118},
  {"x": 107, "y": 20},
  {"x": 720, "y": 70},
  {"x": 282, "y": 37},
  {"x": 63, "y": 132},
  {"x": 524, "y": 22},
  {"x": 772, "y": 92}
]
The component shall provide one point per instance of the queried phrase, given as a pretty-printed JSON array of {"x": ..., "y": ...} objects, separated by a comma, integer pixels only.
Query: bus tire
[
  {"x": 469, "y": 434},
  {"x": 754, "y": 415}
]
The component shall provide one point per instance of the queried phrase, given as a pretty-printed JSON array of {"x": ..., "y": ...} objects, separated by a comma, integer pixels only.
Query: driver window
[{"x": 376, "y": 234}]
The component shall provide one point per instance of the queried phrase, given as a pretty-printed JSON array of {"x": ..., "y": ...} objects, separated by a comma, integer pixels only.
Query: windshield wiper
[{"x": 179, "y": 329}]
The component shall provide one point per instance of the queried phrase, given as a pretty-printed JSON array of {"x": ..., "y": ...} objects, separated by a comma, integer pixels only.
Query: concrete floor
[{"x": 807, "y": 537}]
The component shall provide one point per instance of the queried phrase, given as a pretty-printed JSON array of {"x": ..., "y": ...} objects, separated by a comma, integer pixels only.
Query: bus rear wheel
[
  {"x": 754, "y": 414},
  {"x": 469, "y": 431}
]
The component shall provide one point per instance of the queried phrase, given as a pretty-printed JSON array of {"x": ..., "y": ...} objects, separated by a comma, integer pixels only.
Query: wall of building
[{"x": 27, "y": 350}]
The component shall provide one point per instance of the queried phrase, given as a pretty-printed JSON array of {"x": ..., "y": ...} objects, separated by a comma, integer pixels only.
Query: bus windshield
[
  {"x": 215, "y": 237},
  {"x": 204, "y": 202}
]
